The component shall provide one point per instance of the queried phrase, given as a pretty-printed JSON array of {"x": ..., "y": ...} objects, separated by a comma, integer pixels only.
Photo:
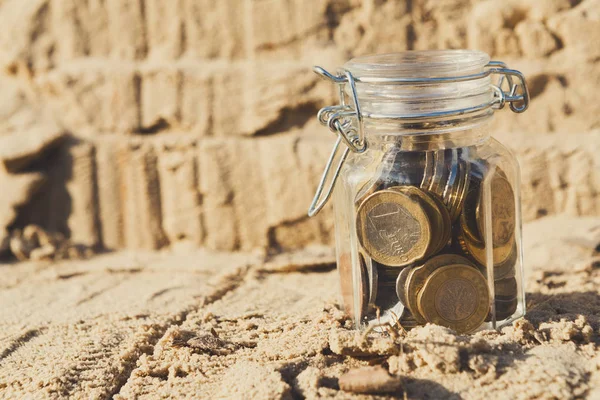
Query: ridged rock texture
[{"x": 152, "y": 123}]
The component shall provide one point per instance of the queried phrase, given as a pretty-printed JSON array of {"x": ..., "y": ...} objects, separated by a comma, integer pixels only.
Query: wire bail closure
[{"x": 346, "y": 121}]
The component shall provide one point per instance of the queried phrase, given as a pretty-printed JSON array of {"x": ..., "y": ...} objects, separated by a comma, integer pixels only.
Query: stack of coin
[
  {"x": 506, "y": 297},
  {"x": 447, "y": 175},
  {"x": 472, "y": 238},
  {"x": 457, "y": 297},
  {"x": 413, "y": 219}
]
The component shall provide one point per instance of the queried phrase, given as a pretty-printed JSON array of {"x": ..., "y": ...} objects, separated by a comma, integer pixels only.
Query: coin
[
  {"x": 505, "y": 289},
  {"x": 418, "y": 275},
  {"x": 455, "y": 296},
  {"x": 502, "y": 209},
  {"x": 429, "y": 170},
  {"x": 386, "y": 297},
  {"x": 401, "y": 284},
  {"x": 347, "y": 285},
  {"x": 447, "y": 235},
  {"x": 392, "y": 228},
  {"x": 439, "y": 217},
  {"x": 504, "y": 257},
  {"x": 459, "y": 189},
  {"x": 363, "y": 288},
  {"x": 408, "y": 168},
  {"x": 469, "y": 215},
  {"x": 507, "y": 268},
  {"x": 505, "y": 308},
  {"x": 373, "y": 277}
]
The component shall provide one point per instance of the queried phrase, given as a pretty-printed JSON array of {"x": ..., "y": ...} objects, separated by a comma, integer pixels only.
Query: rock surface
[
  {"x": 204, "y": 325},
  {"x": 189, "y": 119}
]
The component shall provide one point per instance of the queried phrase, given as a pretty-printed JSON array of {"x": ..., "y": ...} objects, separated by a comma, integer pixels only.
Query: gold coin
[
  {"x": 418, "y": 275},
  {"x": 501, "y": 255},
  {"x": 504, "y": 257},
  {"x": 455, "y": 296},
  {"x": 438, "y": 215},
  {"x": 392, "y": 228},
  {"x": 459, "y": 190},
  {"x": 440, "y": 173},
  {"x": 347, "y": 285},
  {"x": 447, "y": 222},
  {"x": 502, "y": 208},
  {"x": 470, "y": 209}
]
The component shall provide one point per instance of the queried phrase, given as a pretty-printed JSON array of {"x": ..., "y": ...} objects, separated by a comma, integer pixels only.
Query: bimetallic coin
[
  {"x": 469, "y": 214},
  {"x": 447, "y": 235},
  {"x": 362, "y": 287},
  {"x": 373, "y": 277},
  {"x": 440, "y": 173},
  {"x": 401, "y": 284},
  {"x": 457, "y": 195},
  {"x": 393, "y": 228},
  {"x": 439, "y": 217},
  {"x": 502, "y": 208},
  {"x": 418, "y": 275},
  {"x": 455, "y": 296},
  {"x": 504, "y": 257},
  {"x": 501, "y": 255}
]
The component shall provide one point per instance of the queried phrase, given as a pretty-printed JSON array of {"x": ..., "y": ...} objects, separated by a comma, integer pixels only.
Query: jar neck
[{"x": 429, "y": 135}]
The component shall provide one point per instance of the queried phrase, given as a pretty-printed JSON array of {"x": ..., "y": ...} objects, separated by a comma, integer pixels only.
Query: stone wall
[{"x": 154, "y": 123}]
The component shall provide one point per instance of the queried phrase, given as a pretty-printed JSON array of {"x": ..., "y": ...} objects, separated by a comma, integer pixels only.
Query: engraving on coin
[
  {"x": 456, "y": 299},
  {"x": 417, "y": 277},
  {"x": 455, "y": 296},
  {"x": 393, "y": 228},
  {"x": 438, "y": 215}
]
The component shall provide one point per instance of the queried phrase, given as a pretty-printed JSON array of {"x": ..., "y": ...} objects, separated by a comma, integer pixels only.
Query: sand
[{"x": 234, "y": 325}]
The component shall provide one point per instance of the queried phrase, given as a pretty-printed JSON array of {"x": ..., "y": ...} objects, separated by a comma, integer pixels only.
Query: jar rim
[{"x": 418, "y": 64}]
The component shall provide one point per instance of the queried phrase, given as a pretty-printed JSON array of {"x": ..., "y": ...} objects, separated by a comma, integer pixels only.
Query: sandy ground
[{"x": 204, "y": 325}]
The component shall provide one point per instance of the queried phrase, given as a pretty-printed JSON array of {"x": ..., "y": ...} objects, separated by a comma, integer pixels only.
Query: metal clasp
[{"x": 346, "y": 121}]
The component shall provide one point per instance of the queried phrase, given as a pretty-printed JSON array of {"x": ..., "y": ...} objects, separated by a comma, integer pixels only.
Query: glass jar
[{"x": 427, "y": 209}]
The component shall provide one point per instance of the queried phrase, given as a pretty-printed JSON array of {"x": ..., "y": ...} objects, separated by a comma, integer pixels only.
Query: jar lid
[
  {"x": 418, "y": 64},
  {"x": 414, "y": 83}
]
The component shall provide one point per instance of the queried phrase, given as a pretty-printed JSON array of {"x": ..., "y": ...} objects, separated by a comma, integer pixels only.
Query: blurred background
[{"x": 154, "y": 124}]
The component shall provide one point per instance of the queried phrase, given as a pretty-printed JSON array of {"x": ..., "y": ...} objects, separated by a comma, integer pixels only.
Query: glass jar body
[{"x": 428, "y": 229}]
